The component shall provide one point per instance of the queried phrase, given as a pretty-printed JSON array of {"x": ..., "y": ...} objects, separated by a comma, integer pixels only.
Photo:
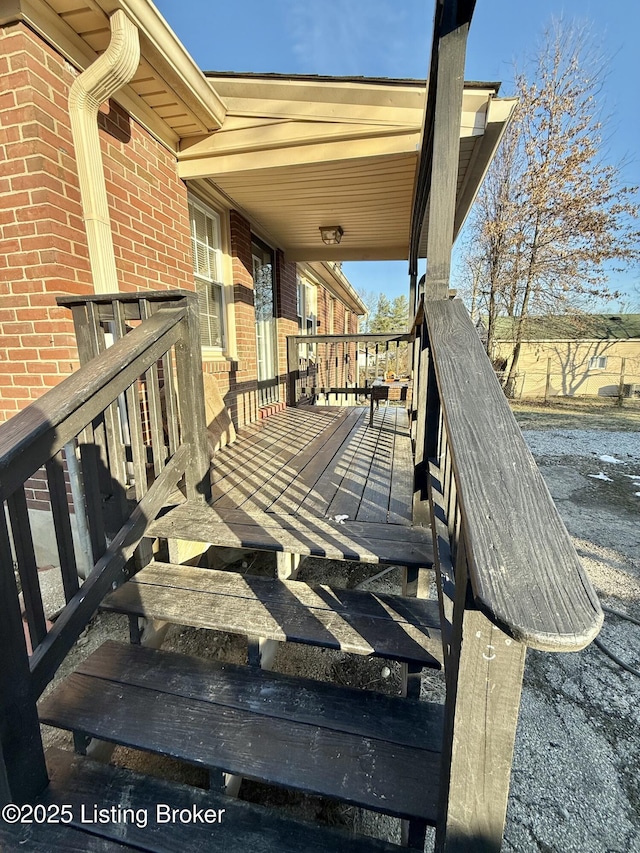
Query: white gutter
[
  {"x": 112, "y": 70},
  {"x": 333, "y": 278}
]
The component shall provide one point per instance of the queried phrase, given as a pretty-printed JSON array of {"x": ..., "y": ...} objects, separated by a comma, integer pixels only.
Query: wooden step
[
  {"x": 305, "y": 534},
  {"x": 82, "y": 784},
  {"x": 357, "y": 621},
  {"x": 357, "y": 746}
]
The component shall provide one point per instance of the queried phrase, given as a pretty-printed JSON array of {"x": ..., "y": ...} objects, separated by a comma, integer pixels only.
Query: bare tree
[
  {"x": 553, "y": 219},
  {"x": 370, "y": 299}
]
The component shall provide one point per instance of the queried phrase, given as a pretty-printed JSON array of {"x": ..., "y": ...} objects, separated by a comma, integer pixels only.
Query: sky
[{"x": 391, "y": 38}]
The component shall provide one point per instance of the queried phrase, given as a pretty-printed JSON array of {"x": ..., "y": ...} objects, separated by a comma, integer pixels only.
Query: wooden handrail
[
  {"x": 524, "y": 571},
  {"x": 39, "y": 431},
  {"x": 365, "y": 337}
]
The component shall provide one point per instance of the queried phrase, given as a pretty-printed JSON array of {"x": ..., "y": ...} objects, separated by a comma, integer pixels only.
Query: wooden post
[
  {"x": 413, "y": 289},
  {"x": 191, "y": 396},
  {"x": 547, "y": 386},
  {"x": 484, "y": 683},
  {"x": 621, "y": 385},
  {"x": 421, "y": 464},
  {"x": 416, "y": 353},
  {"x": 23, "y": 774},
  {"x": 436, "y": 195},
  {"x": 292, "y": 370}
]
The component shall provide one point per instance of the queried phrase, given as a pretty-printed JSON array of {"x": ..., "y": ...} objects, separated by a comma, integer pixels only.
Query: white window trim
[
  {"x": 306, "y": 306},
  {"x": 598, "y": 362},
  {"x": 223, "y": 264},
  {"x": 332, "y": 314}
]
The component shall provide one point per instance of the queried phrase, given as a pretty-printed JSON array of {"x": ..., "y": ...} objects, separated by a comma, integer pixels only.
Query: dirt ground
[{"x": 575, "y": 784}]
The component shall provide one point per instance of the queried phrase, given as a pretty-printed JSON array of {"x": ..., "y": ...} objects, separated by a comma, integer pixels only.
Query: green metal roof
[{"x": 573, "y": 327}]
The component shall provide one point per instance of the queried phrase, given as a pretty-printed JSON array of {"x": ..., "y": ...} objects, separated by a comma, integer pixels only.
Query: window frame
[
  {"x": 602, "y": 362},
  {"x": 332, "y": 315},
  {"x": 198, "y": 278},
  {"x": 306, "y": 306}
]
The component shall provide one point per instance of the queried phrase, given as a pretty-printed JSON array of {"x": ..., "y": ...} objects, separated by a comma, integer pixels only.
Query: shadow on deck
[{"x": 313, "y": 481}]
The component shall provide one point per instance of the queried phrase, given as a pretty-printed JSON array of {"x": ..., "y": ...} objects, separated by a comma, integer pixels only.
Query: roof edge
[{"x": 330, "y": 78}]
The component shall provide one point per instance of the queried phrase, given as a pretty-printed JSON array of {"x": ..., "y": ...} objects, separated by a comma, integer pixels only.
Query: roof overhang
[
  {"x": 292, "y": 153},
  {"x": 295, "y": 153},
  {"x": 168, "y": 94},
  {"x": 330, "y": 275}
]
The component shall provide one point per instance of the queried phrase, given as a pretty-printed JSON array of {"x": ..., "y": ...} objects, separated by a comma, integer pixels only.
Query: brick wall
[{"x": 43, "y": 247}]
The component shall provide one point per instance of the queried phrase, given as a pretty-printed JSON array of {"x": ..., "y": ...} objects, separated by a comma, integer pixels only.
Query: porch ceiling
[
  {"x": 292, "y": 152},
  {"x": 298, "y": 153}
]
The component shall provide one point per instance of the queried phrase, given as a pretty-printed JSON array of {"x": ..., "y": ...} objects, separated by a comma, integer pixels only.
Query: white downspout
[{"x": 115, "y": 67}]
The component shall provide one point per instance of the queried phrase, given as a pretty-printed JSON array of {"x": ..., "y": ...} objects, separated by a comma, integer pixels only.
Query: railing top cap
[{"x": 135, "y": 296}]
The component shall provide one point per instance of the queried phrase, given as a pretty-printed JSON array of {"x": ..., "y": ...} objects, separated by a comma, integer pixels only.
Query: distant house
[{"x": 588, "y": 354}]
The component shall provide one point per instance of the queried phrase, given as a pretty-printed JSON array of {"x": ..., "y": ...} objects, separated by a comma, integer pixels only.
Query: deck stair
[
  {"x": 357, "y": 746},
  {"x": 81, "y": 783},
  {"x": 501, "y": 587},
  {"x": 354, "y": 621}
]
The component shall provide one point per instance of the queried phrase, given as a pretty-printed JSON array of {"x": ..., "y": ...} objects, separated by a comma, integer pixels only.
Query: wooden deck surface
[
  {"x": 323, "y": 462},
  {"x": 313, "y": 480}
]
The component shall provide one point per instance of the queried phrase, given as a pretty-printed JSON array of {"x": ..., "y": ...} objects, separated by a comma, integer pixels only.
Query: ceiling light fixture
[{"x": 331, "y": 234}]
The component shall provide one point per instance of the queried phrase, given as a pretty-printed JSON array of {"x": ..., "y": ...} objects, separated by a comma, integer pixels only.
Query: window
[
  {"x": 598, "y": 362},
  {"x": 307, "y": 307},
  {"x": 346, "y": 321},
  {"x": 332, "y": 314},
  {"x": 207, "y": 269}
]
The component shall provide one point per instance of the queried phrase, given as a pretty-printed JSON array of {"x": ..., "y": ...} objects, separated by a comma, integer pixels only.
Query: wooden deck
[{"x": 313, "y": 481}]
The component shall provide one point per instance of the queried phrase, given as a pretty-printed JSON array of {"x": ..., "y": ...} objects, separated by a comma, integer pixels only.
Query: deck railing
[
  {"x": 135, "y": 418},
  {"x": 508, "y": 575},
  {"x": 340, "y": 368}
]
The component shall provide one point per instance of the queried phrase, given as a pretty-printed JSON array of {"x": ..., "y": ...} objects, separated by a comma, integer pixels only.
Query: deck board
[
  {"x": 249, "y": 464},
  {"x": 374, "y": 505},
  {"x": 353, "y": 621},
  {"x": 316, "y": 481}
]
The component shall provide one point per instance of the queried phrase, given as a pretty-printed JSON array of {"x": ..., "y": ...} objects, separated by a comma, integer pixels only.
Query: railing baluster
[
  {"x": 191, "y": 398},
  {"x": 154, "y": 408},
  {"x": 134, "y": 419},
  {"x": 92, "y": 477},
  {"x": 23, "y": 774},
  {"x": 421, "y": 458},
  {"x": 170, "y": 407},
  {"x": 293, "y": 371},
  {"x": 62, "y": 525},
  {"x": 27, "y": 566}
]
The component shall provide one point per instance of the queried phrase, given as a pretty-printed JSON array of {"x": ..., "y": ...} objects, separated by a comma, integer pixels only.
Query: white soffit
[{"x": 297, "y": 154}]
